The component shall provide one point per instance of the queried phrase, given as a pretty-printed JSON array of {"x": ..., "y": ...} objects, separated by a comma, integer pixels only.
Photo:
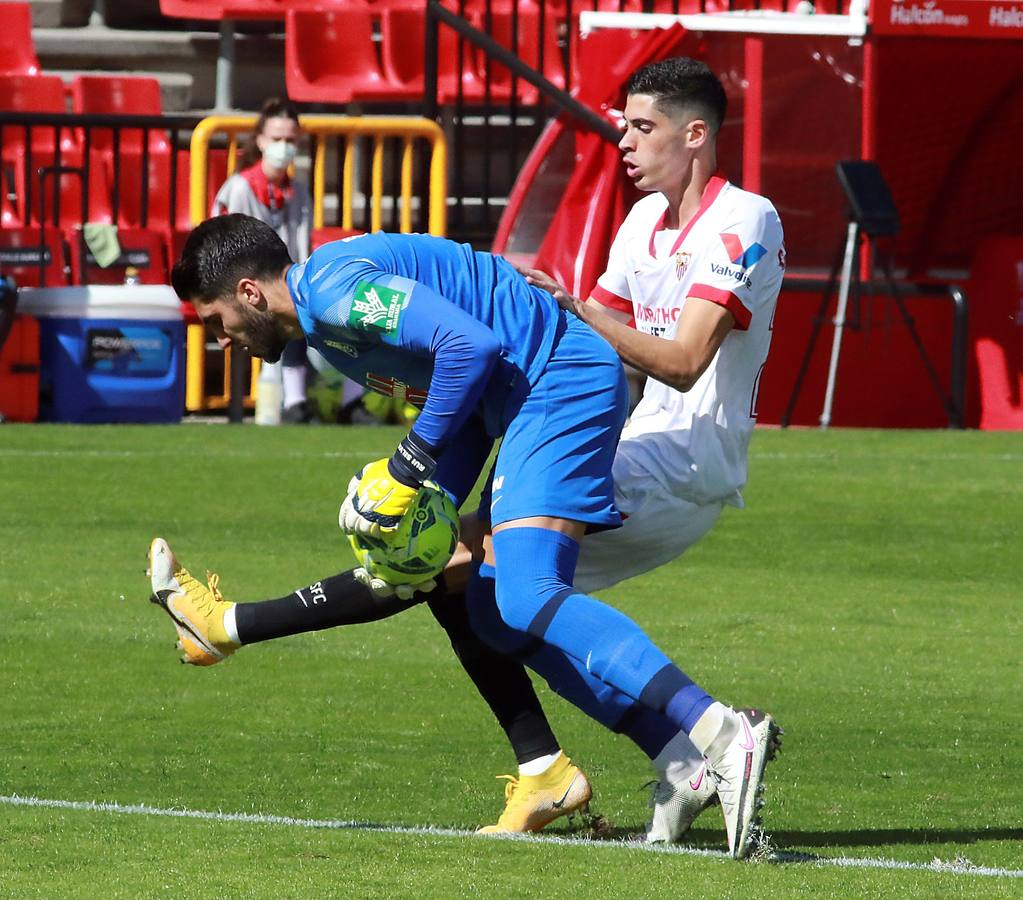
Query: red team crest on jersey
[
  {"x": 682, "y": 263},
  {"x": 392, "y": 387}
]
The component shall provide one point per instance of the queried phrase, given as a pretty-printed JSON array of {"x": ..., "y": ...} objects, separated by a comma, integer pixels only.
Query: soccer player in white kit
[{"x": 687, "y": 298}]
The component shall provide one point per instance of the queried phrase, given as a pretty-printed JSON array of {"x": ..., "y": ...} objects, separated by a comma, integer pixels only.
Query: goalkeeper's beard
[{"x": 263, "y": 334}]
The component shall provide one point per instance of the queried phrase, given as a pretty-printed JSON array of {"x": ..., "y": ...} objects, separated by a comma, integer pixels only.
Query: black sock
[
  {"x": 337, "y": 600},
  {"x": 501, "y": 681}
]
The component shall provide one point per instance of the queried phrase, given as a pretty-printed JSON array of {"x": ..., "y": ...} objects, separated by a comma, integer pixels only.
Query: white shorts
[{"x": 659, "y": 528}]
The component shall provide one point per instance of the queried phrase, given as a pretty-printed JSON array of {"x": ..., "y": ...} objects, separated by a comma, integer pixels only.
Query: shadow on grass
[{"x": 880, "y": 837}]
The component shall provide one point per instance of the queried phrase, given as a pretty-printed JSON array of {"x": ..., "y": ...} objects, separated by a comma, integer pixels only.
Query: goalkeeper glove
[
  {"x": 383, "y": 491},
  {"x": 384, "y": 589}
]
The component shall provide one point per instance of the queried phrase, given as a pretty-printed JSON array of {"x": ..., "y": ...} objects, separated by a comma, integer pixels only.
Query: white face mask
[{"x": 280, "y": 154}]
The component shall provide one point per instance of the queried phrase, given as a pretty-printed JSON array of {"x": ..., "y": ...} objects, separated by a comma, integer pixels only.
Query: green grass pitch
[{"x": 869, "y": 596}]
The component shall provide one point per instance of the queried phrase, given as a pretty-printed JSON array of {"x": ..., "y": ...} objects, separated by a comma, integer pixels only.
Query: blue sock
[
  {"x": 650, "y": 731},
  {"x": 646, "y": 728},
  {"x": 535, "y": 567}
]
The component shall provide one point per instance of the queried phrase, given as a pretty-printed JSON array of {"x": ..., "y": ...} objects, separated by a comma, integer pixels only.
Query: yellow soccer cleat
[
  {"x": 197, "y": 609},
  {"x": 537, "y": 800}
]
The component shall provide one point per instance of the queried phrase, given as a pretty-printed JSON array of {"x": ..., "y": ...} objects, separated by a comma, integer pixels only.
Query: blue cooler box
[{"x": 109, "y": 353}]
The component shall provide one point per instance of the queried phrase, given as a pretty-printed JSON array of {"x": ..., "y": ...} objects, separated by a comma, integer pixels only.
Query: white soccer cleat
[
  {"x": 738, "y": 774},
  {"x": 677, "y": 804}
]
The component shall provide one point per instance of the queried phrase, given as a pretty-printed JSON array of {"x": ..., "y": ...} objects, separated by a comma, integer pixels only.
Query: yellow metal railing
[{"x": 408, "y": 132}]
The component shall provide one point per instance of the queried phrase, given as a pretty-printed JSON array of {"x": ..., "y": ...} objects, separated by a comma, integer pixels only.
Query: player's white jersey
[{"x": 731, "y": 253}]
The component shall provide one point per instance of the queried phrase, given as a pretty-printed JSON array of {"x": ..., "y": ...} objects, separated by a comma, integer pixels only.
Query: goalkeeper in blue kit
[{"x": 491, "y": 357}]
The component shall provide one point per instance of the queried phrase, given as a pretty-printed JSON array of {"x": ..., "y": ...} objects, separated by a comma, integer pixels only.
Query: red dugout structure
[{"x": 931, "y": 91}]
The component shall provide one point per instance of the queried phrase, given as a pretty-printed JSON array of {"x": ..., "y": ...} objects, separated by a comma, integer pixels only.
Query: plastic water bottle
[{"x": 269, "y": 394}]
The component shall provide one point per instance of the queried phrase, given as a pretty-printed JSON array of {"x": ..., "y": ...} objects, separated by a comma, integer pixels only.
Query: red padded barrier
[
  {"x": 22, "y": 249},
  {"x": 19, "y": 371},
  {"x": 881, "y": 381},
  {"x": 597, "y": 196},
  {"x": 996, "y": 334},
  {"x": 141, "y": 248},
  {"x": 948, "y": 137}
]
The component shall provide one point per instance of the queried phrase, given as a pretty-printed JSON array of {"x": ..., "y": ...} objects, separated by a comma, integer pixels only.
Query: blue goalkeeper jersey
[{"x": 449, "y": 329}]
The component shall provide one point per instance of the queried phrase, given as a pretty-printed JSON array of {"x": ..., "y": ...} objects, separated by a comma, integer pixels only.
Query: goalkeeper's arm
[{"x": 464, "y": 352}]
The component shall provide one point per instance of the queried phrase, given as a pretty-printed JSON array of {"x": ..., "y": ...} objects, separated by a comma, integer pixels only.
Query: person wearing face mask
[{"x": 263, "y": 187}]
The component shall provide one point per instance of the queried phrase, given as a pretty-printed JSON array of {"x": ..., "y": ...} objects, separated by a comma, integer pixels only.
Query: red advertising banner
[{"x": 948, "y": 18}]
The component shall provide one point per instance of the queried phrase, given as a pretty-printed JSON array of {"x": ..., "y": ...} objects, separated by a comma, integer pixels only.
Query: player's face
[
  {"x": 656, "y": 147},
  {"x": 237, "y": 322}
]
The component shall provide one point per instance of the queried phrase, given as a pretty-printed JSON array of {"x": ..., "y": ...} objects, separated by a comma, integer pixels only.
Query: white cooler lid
[{"x": 102, "y": 301}]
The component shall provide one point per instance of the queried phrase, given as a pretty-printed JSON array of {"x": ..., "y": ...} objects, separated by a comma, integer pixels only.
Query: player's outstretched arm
[{"x": 464, "y": 353}]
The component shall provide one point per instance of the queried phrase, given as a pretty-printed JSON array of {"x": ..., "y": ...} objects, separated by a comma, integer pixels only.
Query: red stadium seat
[
  {"x": 240, "y": 9},
  {"x": 33, "y": 93},
  {"x": 617, "y": 5},
  {"x": 9, "y": 217},
  {"x": 182, "y": 220},
  {"x": 192, "y": 9},
  {"x": 264, "y": 9},
  {"x": 403, "y": 38},
  {"x": 528, "y": 50},
  {"x": 328, "y": 233},
  {"x": 330, "y": 57},
  {"x": 177, "y": 244},
  {"x": 693, "y": 7},
  {"x": 17, "y": 49},
  {"x": 216, "y": 165},
  {"x": 34, "y": 259},
  {"x": 45, "y": 94},
  {"x": 217, "y": 174},
  {"x": 143, "y": 249},
  {"x": 117, "y": 95}
]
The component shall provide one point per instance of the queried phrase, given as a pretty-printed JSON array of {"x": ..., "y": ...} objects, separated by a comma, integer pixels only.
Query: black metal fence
[{"x": 129, "y": 150}]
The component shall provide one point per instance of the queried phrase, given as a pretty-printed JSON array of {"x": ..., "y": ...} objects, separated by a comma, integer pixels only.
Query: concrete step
[
  {"x": 60, "y": 13},
  {"x": 259, "y": 59}
]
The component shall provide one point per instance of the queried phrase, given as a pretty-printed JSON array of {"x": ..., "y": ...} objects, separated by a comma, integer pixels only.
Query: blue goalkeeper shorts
[{"x": 561, "y": 435}]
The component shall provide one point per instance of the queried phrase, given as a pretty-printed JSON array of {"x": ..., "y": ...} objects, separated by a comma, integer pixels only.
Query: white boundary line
[
  {"x": 207, "y": 454},
  {"x": 954, "y": 868},
  {"x": 837, "y": 455}
]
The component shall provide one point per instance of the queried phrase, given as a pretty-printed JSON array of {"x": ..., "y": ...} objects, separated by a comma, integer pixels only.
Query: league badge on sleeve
[{"x": 376, "y": 307}]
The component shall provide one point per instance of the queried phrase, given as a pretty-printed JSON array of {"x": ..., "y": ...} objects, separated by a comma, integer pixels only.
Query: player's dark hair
[
  {"x": 272, "y": 108},
  {"x": 682, "y": 85},
  {"x": 223, "y": 250}
]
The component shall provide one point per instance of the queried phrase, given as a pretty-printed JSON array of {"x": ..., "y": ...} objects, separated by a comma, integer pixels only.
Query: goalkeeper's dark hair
[
  {"x": 223, "y": 250},
  {"x": 681, "y": 85}
]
